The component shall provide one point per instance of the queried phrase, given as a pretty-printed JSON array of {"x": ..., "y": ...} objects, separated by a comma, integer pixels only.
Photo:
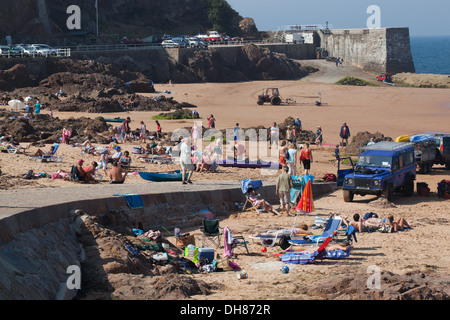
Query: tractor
[{"x": 271, "y": 95}]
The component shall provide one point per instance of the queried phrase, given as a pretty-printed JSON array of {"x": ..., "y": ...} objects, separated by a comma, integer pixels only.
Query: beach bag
[
  {"x": 338, "y": 254},
  {"x": 224, "y": 264},
  {"x": 329, "y": 177}
]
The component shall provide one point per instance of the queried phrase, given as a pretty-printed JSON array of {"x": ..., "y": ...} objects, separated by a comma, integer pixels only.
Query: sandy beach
[{"x": 390, "y": 110}]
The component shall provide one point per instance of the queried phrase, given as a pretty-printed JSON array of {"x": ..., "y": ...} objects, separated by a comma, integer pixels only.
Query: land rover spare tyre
[{"x": 348, "y": 196}]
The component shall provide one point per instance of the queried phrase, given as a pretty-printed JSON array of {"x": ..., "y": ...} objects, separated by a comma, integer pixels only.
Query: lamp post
[{"x": 96, "y": 9}]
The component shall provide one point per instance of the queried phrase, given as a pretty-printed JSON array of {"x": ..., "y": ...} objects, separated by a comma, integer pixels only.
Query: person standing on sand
[
  {"x": 274, "y": 134},
  {"x": 344, "y": 134},
  {"x": 306, "y": 157},
  {"x": 319, "y": 136},
  {"x": 292, "y": 159},
  {"x": 283, "y": 188},
  {"x": 186, "y": 161},
  {"x": 143, "y": 132}
]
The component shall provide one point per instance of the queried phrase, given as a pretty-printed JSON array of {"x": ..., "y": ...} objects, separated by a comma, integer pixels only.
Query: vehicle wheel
[
  {"x": 260, "y": 102},
  {"x": 275, "y": 101},
  {"x": 387, "y": 192},
  {"x": 409, "y": 186},
  {"x": 348, "y": 196}
]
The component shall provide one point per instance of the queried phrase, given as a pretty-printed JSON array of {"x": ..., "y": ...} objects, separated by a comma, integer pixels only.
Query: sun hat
[{"x": 80, "y": 161}]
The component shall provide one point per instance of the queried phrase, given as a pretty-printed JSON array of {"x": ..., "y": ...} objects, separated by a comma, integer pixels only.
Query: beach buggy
[{"x": 382, "y": 168}]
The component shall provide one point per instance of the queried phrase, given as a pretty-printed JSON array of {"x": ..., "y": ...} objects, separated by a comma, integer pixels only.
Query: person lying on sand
[
  {"x": 303, "y": 230},
  {"x": 331, "y": 247},
  {"x": 372, "y": 224},
  {"x": 257, "y": 202}
]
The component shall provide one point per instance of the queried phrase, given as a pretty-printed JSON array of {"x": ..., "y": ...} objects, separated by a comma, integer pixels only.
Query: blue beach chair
[{"x": 333, "y": 225}]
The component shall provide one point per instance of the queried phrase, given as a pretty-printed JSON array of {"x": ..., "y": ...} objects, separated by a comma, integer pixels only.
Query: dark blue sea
[{"x": 431, "y": 54}]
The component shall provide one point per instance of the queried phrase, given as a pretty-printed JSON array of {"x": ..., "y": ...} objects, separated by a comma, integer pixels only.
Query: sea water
[{"x": 431, "y": 54}]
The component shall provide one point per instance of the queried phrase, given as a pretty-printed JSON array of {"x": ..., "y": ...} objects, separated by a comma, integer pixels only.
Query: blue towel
[{"x": 134, "y": 201}]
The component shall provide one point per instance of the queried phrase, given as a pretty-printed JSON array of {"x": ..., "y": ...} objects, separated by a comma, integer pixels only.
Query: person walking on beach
[
  {"x": 186, "y": 161},
  {"x": 292, "y": 159},
  {"x": 143, "y": 132},
  {"x": 274, "y": 134},
  {"x": 306, "y": 157},
  {"x": 211, "y": 122},
  {"x": 336, "y": 155},
  {"x": 319, "y": 136},
  {"x": 158, "y": 131},
  {"x": 297, "y": 127},
  {"x": 283, "y": 188},
  {"x": 344, "y": 134}
]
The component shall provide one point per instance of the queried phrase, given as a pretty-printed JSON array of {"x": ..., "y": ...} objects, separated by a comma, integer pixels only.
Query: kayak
[
  {"x": 114, "y": 120},
  {"x": 249, "y": 164},
  {"x": 162, "y": 176}
]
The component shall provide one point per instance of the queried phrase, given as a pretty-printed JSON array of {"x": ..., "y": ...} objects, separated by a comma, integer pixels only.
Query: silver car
[{"x": 169, "y": 44}]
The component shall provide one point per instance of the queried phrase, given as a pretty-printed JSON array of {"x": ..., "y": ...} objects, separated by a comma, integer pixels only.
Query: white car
[
  {"x": 28, "y": 50},
  {"x": 169, "y": 44},
  {"x": 45, "y": 50}
]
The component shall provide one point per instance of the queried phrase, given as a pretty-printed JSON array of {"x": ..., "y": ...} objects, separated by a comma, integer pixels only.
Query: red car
[{"x": 385, "y": 77}]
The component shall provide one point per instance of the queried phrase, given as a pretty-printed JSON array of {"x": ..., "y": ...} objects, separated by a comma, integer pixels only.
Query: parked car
[
  {"x": 16, "y": 51},
  {"x": 443, "y": 149},
  {"x": 29, "y": 51},
  {"x": 169, "y": 44},
  {"x": 382, "y": 168},
  {"x": 45, "y": 50},
  {"x": 182, "y": 43},
  {"x": 4, "y": 51}
]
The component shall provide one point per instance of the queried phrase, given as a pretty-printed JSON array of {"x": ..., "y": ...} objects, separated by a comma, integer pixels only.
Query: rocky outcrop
[{"x": 417, "y": 285}]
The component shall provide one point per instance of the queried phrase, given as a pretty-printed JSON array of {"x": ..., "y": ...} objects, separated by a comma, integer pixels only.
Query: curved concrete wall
[{"x": 37, "y": 246}]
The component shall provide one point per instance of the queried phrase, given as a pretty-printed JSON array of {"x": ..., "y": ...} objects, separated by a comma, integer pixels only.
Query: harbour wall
[
  {"x": 373, "y": 50},
  {"x": 37, "y": 246}
]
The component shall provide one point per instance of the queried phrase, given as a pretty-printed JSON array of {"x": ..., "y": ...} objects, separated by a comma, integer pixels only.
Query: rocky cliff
[{"x": 46, "y": 21}]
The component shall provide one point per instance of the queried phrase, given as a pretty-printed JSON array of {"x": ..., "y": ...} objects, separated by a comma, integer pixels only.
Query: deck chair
[
  {"x": 295, "y": 194},
  {"x": 333, "y": 225},
  {"x": 211, "y": 232},
  {"x": 52, "y": 157},
  {"x": 246, "y": 184}
]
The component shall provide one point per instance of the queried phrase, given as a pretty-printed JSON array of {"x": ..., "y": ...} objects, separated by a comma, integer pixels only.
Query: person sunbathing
[
  {"x": 90, "y": 171},
  {"x": 303, "y": 230},
  {"x": 257, "y": 202},
  {"x": 397, "y": 225},
  {"x": 331, "y": 247},
  {"x": 40, "y": 153}
]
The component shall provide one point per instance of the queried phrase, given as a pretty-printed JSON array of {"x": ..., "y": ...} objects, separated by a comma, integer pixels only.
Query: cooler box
[{"x": 207, "y": 253}]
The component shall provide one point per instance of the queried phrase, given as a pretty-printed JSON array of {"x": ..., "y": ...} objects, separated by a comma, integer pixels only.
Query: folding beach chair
[
  {"x": 246, "y": 184},
  {"x": 211, "y": 232},
  {"x": 52, "y": 157},
  {"x": 332, "y": 226}
]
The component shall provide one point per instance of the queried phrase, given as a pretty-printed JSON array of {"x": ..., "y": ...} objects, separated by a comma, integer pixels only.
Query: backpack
[{"x": 329, "y": 177}]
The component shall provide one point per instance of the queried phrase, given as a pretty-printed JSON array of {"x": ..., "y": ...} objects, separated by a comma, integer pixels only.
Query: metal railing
[{"x": 63, "y": 52}]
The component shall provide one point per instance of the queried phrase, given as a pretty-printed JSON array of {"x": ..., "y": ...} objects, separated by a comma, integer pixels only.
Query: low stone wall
[{"x": 37, "y": 246}]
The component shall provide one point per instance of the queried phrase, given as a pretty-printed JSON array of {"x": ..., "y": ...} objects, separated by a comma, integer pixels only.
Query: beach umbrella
[
  {"x": 16, "y": 104},
  {"x": 306, "y": 203}
]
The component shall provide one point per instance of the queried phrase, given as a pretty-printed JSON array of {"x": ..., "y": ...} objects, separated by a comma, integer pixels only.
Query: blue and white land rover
[{"x": 382, "y": 168}]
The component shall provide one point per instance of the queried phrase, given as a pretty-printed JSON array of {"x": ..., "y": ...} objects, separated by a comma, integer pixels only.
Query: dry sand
[{"x": 393, "y": 111}]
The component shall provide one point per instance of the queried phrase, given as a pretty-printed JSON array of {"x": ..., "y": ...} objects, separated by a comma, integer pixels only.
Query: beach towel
[
  {"x": 302, "y": 257},
  {"x": 227, "y": 242},
  {"x": 134, "y": 201}
]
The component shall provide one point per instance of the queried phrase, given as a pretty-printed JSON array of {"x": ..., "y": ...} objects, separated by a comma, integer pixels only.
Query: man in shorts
[
  {"x": 116, "y": 174},
  {"x": 186, "y": 161},
  {"x": 283, "y": 189}
]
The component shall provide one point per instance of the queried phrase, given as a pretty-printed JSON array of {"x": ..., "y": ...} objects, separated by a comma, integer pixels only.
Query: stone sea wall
[{"x": 373, "y": 50}]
